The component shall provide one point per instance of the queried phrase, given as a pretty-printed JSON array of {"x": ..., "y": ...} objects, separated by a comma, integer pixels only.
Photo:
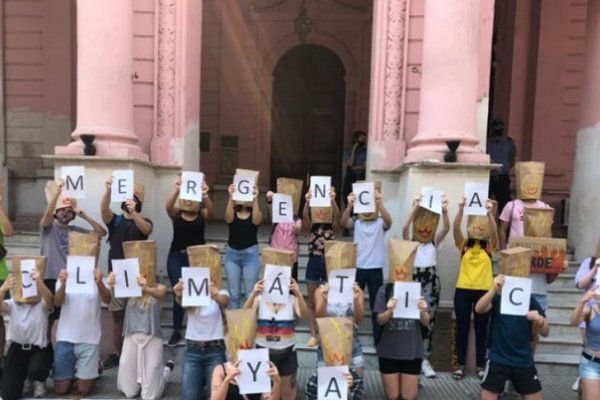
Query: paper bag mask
[
  {"x": 321, "y": 215},
  {"x": 371, "y": 216},
  {"x": 530, "y": 179},
  {"x": 145, "y": 252},
  {"x": 401, "y": 255},
  {"x": 339, "y": 255},
  {"x": 250, "y": 172},
  {"x": 40, "y": 265},
  {"x": 84, "y": 244},
  {"x": 273, "y": 256},
  {"x": 336, "y": 340},
  {"x": 139, "y": 191},
  {"x": 293, "y": 187},
  {"x": 207, "y": 256},
  {"x": 188, "y": 205},
  {"x": 478, "y": 227},
  {"x": 61, "y": 202},
  {"x": 425, "y": 225},
  {"x": 515, "y": 262},
  {"x": 241, "y": 331},
  {"x": 538, "y": 221}
]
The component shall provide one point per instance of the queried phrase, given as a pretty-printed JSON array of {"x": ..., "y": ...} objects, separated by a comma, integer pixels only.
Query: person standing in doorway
[
  {"x": 502, "y": 151},
  {"x": 355, "y": 164}
]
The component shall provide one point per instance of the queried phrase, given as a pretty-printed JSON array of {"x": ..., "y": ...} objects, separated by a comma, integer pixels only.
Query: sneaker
[
  {"x": 174, "y": 339},
  {"x": 39, "y": 389},
  {"x": 575, "y": 386},
  {"x": 111, "y": 361},
  {"x": 169, "y": 365},
  {"x": 28, "y": 385},
  {"x": 313, "y": 342},
  {"x": 427, "y": 370}
]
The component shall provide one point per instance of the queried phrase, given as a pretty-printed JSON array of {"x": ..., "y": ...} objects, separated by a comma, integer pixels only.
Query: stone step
[
  {"x": 559, "y": 344},
  {"x": 557, "y": 313},
  {"x": 564, "y": 328},
  {"x": 557, "y": 364},
  {"x": 568, "y": 297}
]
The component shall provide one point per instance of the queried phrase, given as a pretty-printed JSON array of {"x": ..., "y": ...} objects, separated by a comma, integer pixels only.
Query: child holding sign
[
  {"x": 143, "y": 341},
  {"x": 475, "y": 278},
  {"x": 189, "y": 224},
  {"x": 276, "y": 330},
  {"x": 510, "y": 352},
  {"x": 242, "y": 260},
  {"x": 322, "y": 224},
  {"x": 77, "y": 349},
  {"x": 424, "y": 230},
  {"x": 225, "y": 387},
  {"x": 205, "y": 345},
  {"x": 30, "y": 353}
]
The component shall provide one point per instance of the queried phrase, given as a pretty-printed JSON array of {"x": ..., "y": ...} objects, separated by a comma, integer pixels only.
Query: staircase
[{"x": 558, "y": 354}]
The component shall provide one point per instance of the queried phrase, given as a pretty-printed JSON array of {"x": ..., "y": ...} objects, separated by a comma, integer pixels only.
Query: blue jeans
[
  {"x": 542, "y": 300},
  {"x": 175, "y": 261},
  {"x": 371, "y": 279},
  {"x": 198, "y": 365},
  {"x": 241, "y": 265}
]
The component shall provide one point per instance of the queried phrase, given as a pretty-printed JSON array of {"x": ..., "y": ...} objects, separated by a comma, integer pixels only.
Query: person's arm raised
[
  {"x": 230, "y": 208},
  {"x": 445, "y": 222},
  {"x": 173, "y": 211},
  {"x": 106, "y": 212},
  {"x": 456, "y": 229},
  {"x": 411, "y": 217}
]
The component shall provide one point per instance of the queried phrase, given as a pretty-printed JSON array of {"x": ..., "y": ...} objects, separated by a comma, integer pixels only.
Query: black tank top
[
  {"x": 187, "y": 233},
  {"x": 233, "y": 391},
  {"x": 242, "y": 233}
]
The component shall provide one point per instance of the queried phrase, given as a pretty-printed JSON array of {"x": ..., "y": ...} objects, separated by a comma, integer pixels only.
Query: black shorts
[
  {"x": 525, "y": 380},
  {"x": 51, "y": 285},
  {"x": 391, "y": 366},
  {"x": 285, "y": 360}
]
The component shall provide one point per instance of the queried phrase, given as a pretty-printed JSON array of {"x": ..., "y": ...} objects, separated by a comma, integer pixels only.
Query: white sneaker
[
  {"x": 575, "y": 386},
  {"x": 427, "y": 369},
  {"x": 39, "y": 389},
  {"x": 28, "y": 385}
]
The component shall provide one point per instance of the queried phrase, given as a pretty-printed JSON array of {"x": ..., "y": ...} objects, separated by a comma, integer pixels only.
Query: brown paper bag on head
[
  {"x": 188, "y": 205},
  {"x": 273, "y": 256},
  {"x": 241, "y": 331},
  {"x": 598, "y": 249},
  {"x": 515, "y": 262},
  {"x": 139, "y": 191},
  {"x": 208, "y": 256},
  {"x": 425, "y": 225},
  {"x": 530, "y": 180},
  {"x": 321, "y": 215},
  {"x": 478, "y": 227},
  {"x": 40, "y": 265},
  {"x": 293, "y": 187},
  {"x": 251, "y": 172},
  {"x": 84, "y": 244},
  {"x": 401, "y": 255},
  {"x": 339, "y": 255},
  {"x": 145, "y": 252},
  {"x": 336, "y": 340},
  {"x": 538, "y": 221},
  {"x": 61, "y": 202}
]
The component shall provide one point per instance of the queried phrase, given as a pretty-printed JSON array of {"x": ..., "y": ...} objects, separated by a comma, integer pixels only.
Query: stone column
[
  {"x": 449, "y": 83},
  {"x": 584, "y": 216},
  {"x": 104, "y": 79},
  {"x": 386, "y": 139}
]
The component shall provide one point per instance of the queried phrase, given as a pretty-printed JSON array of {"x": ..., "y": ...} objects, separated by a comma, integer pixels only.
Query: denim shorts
[
  {"x": 589, "y": 369},
  {"x": 78, "y": 360},
  {"x": 315, "y": 269}
]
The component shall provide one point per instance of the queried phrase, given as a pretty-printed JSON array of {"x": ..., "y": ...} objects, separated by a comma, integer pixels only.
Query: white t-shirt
[
  {"x": 369, "y": 237},
  {"x": 206, "y": 323},
  {"x": 426, "y": 255},
  {"x": 28, "y": 323},
  {"x": 79, "y": 320},
  {"x": 539, "y": 284}
]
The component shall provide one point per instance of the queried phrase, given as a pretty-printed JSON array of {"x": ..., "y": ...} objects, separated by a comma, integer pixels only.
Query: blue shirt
[
  {"x": 502, "y": 151},
  {"x": 510, "y": 336}
]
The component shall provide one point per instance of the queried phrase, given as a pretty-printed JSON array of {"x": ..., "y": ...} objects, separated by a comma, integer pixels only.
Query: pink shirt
[
  {"x": 513, "y": 214},
  {"x": 285, "y": 238}
]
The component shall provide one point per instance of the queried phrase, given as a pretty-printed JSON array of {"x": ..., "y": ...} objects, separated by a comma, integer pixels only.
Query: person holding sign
[
  {"x": 285, "y": 235},
  {"x": 276, "y": 329},
  {"x": 6, "y": 230},
  {"x": 322, "y": 224},
  {"x": 587, "y": 311},
  {"x": 242, "y": 260},
  {"x": 189, "y": 224},
  {"x": 475, "y": 278},
  {"x": 424, "y": 230},
  {"x": 125, "y": 227},
  {"x": 510, "y": 352},
  {"x": 30, "y": 353},
  {"x": 77, "y": 351},
  {"x": 225, "y": 383},
  {"x": 143, "y": 341},
  {"x": 55, "y": 226},
  {"x": 369, "y": 236},
  {"x": 205, "y": 345},
  {"x": 399, "y": 346}
]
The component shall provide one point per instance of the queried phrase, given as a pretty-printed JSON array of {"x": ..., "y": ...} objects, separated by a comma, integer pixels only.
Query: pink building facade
[{"x": 214, "y": 85}]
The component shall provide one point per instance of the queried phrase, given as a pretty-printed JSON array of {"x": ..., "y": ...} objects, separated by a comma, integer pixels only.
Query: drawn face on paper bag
[
  {"x": 425, "y": 225},
  {"x": 478, "y": 227}
]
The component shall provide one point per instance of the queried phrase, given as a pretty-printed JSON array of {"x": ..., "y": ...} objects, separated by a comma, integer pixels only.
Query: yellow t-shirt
[{"x": 476, "y": 271}]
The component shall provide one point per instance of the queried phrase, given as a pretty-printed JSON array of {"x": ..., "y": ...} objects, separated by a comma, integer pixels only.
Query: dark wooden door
[{"x": 308, "y": 115}]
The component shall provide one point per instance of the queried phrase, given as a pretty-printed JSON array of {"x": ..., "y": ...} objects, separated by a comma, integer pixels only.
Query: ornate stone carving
[
  {"x": 302, "y": 24},
  {"x": 166, "y": 68},
  {"x": 394, "y": 65}
]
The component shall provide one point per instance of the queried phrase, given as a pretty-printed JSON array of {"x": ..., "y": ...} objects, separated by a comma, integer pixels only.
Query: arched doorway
[{"x": 308, "y": 114}]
